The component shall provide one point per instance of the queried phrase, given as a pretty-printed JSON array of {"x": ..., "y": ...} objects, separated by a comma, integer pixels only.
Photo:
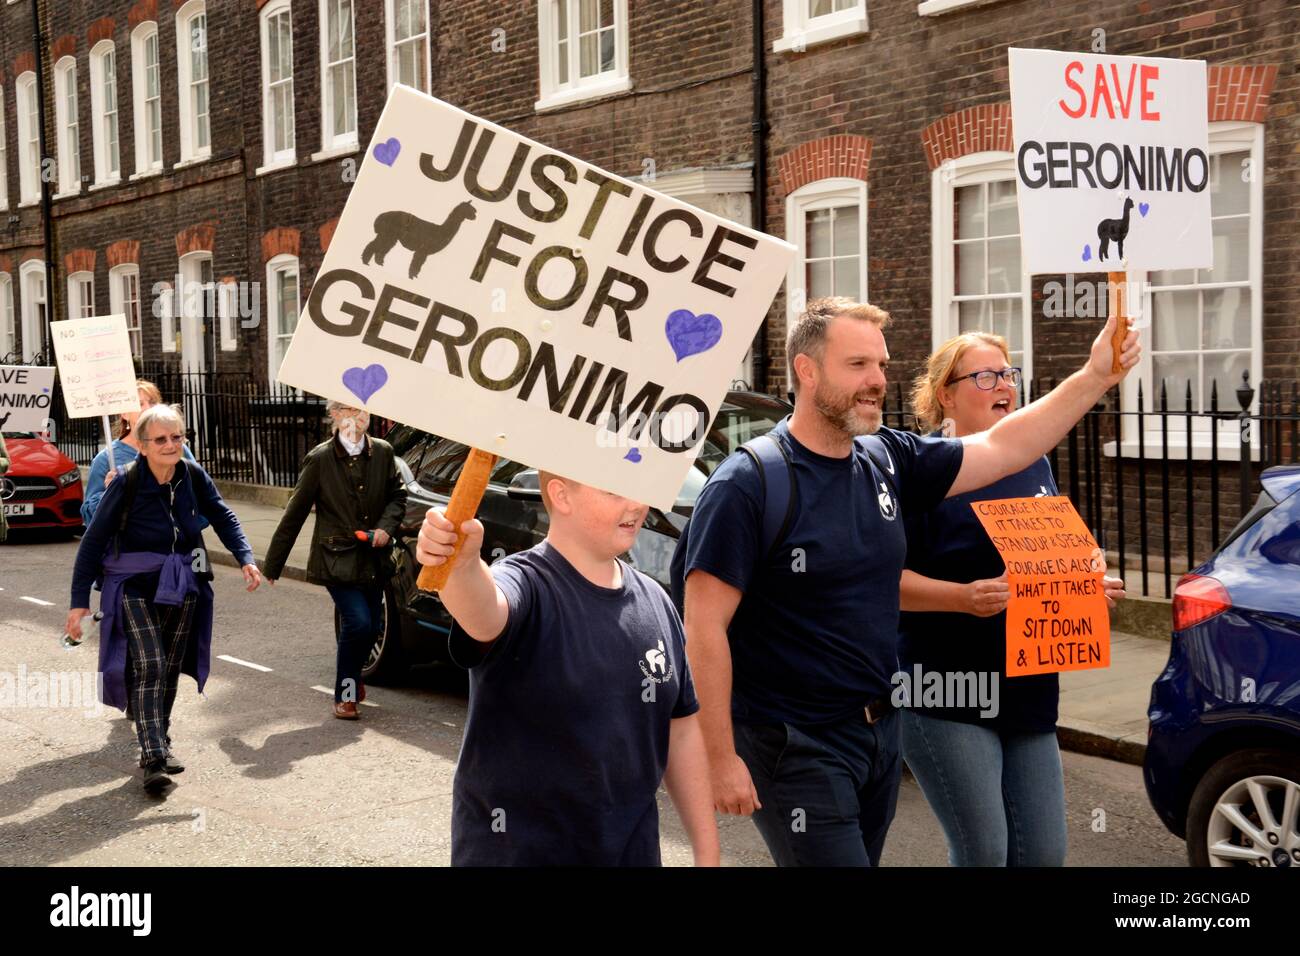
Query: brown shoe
[
  {"x": 361, "y": 696},
  {"x": 346, "y": 710}
]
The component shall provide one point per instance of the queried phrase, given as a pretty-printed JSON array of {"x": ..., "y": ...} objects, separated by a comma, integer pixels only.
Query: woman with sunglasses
[
  {"x": 145, "y": 544},
  {"x": 991, "y": 770},
  {"x": 125, "y": 450}
]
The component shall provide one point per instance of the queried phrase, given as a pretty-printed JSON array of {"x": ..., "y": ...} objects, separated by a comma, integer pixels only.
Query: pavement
[{"x": 1102, "y": 712}]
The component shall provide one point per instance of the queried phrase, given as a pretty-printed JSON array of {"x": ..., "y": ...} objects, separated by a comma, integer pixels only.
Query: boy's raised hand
[{"x": 437, "y": 539}]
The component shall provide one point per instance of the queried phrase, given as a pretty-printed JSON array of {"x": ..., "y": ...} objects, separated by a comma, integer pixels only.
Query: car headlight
[{"x": 70, "y": 478}]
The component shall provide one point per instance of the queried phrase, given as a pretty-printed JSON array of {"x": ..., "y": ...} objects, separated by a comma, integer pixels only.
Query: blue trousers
[
  {"x": 999, "y": 796},
  {"x": 361, "y": 618},
  {"x": 828, "y": 791}
]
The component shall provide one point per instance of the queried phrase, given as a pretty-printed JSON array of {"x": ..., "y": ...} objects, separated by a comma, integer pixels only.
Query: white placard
[
  {"x": 96, "y": 369},
  {"x": 499, "y": 293},
  {"x": 25, "y": 395},
  {"x": 1112, "y": 162}
]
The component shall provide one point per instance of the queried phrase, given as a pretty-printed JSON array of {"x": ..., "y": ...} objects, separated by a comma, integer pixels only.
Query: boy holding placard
[{"x": 581, "y": 701}]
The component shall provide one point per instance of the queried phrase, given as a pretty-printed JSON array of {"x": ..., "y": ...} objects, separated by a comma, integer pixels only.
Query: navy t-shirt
[
  {"x": 948, "y": 543},
  {"x": 815, "y": 637},
  {"x": 569, "y": 718}
]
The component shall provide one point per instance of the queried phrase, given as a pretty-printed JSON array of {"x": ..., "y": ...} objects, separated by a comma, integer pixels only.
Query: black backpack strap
[
  {"x": 131, "y": 475},
  {"x": 780, "y": 494}
]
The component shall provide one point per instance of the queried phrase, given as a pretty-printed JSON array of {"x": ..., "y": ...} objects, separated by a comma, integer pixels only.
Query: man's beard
[{"x": 840, "y": 410}]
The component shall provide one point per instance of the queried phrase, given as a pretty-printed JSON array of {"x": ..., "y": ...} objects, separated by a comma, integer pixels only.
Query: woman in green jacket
[{"x": 353, "y": 482}]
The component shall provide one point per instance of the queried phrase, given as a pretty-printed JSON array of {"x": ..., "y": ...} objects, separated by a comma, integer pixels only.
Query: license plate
[{"x": 19, "y": 509}]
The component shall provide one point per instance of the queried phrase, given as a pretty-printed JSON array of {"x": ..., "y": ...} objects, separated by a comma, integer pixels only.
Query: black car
[{"x": 514, "y": 520}]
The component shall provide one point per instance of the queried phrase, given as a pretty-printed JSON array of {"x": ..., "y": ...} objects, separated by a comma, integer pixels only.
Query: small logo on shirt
[
  {"x": 886, "y": 501},
  {"x": 1043, "y": 492},
  {"x": 656, "y": 665}
]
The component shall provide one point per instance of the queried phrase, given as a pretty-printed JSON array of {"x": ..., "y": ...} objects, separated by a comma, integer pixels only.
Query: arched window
[{"x": 103, "y": 107}]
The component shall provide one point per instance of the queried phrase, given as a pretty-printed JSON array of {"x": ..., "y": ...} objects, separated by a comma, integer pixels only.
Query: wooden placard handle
[
  {"x": 465, "y": 498},
  {"x": 1119, "y": 285}
]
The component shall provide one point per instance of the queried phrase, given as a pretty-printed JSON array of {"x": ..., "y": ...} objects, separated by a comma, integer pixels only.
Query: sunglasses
[{"x": 162, "y": 441}]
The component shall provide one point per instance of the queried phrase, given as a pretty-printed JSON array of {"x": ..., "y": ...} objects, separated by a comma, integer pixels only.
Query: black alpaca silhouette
[
  {"x": 1116, "y": 229},
  {"x": 421, "y": 237}
]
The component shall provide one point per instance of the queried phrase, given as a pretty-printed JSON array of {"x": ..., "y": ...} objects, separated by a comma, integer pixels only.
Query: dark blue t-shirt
[
  {"x": 569, "y": 718},
  {"x": 948, "y": 543},
  {"x": 815, "y": 637}
]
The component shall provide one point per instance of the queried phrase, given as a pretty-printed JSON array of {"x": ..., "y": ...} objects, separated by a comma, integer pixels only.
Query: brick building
[{"x": 214, "y": 140}]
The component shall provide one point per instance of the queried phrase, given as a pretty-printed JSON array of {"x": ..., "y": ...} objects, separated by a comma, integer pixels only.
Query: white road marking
[
  {"x": 330, "y": 691},
  {"x": 236, "y": 660},
  {"x": 37, "y": 601}
]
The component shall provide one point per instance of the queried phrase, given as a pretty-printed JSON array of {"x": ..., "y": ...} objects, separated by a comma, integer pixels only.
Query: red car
[{"x": 42, "y": 488}]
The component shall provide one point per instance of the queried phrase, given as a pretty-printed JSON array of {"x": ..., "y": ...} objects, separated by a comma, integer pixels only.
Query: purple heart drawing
[
  {"x": 690, "y": 334},
  {"x": 386, "y": 152},
  {"x": 1144, "y": 208},
  {"x": 1087, "y": 252},
  {"x": 633, "y": 456},
  {"x": 364, "y": 382}
]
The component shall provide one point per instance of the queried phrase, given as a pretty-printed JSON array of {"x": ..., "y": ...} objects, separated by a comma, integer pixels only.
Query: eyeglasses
[
  {"x": 986, "y": 380},
  {"x": 162, "y": 441}
]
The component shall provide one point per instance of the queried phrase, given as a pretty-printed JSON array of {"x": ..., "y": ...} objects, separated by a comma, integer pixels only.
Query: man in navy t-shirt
[
  {"x": 580, "y": 698},
  {"x": 793, "y": 649}
]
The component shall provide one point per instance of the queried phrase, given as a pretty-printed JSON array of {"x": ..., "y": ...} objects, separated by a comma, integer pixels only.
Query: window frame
[
  {"x": 185, "y": 86},
  {"x": 32, "y": 324},
  {"x": 8, "y": 320},
  {"x": 99, "y": 115},
  {"x": 810, "y": 197},
  {"x": 390, "y": 44},
  {"x": 551, "y": 92},
  {"x": 969, "y": 170},
  {"x": 68, "y": 155},
  {"x": 1225, "y": 137},
  {"x": 274, "y": 266},
  {"x": 29, "y": 176},
  {"x": 331, "y": 140},
  {"x": 799, "y": 30},
  {"x": 118, "y": 304},
  {"x": 272, "y": 158},
  {"x": 143, "y": 133},
  {"x": 78, "y": 305}
]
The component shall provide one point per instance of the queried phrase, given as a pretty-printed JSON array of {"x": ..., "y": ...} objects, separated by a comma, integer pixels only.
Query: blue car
[{"x": 1223, "y": 758}]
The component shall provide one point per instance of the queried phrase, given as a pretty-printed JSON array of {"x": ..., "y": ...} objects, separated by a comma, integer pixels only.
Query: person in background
[
  {"x": 353, "y": 482},
  {"x": 125, "y": 450},
  {"x": 157, "y": 610},
  {"x": 4, "y": 466},
  {"x": 992, "y": 774}
]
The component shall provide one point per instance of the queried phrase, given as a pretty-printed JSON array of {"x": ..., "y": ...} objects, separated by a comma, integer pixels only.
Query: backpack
[
  {"x": 780, "y": 503},
  {"x": 131, "y": 475}
]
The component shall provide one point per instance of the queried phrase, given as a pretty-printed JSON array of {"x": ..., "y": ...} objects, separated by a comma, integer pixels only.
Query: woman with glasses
[
  {"x": 145, "y": 544},
  {"x": 991, "y": 770},
  {"x": 353, "y": 482},
  {"x": 125, "y": 450}
]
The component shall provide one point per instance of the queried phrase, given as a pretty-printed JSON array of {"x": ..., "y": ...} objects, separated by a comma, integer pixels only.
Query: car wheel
[
  {"x": 386, "y": 663},
  {"x": 1245, "y": 811}
]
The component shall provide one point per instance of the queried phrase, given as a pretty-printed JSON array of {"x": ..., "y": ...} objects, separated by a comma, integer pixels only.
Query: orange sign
[{"x": 1056, "y": 616}]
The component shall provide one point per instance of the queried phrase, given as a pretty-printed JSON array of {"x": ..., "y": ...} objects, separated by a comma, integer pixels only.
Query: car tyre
[{"x": 1234, "y": 782}]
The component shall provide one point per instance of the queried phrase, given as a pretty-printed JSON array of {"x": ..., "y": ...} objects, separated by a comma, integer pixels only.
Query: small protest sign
[
  {"x": 500, "y": 293},
  {"x": 1056, "y": 616},
  {"x": 1112, "y": 162},
  {"x": 96, "y": 368},
  {"x": 25, "y": 395}
]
